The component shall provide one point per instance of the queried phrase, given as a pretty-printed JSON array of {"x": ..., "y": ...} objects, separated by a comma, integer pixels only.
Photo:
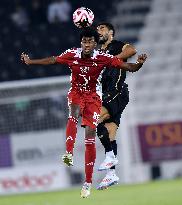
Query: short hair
[
  {"x": 108, "y": 25},
  {"x": 89, "y": 32}
]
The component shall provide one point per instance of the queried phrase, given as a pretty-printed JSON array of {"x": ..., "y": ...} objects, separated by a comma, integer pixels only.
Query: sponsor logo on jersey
[{"x": 84, "y": 69}]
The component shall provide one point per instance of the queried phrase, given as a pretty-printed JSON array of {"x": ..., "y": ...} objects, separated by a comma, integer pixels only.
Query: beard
[{"x": 103, "y": 39}]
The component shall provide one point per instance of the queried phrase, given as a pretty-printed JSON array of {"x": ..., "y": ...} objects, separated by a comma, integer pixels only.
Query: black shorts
[{"x": 116, "y": 103}]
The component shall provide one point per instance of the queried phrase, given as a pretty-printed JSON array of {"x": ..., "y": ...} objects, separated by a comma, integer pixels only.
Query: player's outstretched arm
[
  {"x": 44, "y": 61},
  {"x": 133, "y": 67},
  {"x": 127, "y": 52}
]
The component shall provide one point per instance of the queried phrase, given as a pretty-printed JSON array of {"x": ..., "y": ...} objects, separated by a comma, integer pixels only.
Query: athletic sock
[
  {"x": 104, "y": 137},
  {"x": 114, "y": 147},
  {"x": 71, "y": 130},
  {"x": 90, "y": 156}
]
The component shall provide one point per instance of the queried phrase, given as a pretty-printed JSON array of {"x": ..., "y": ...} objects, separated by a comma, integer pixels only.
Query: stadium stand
[
  {"x": 157, "y": 96},
  {"x": 129, "y": 18},
  {"x": 37, "y": 37}
]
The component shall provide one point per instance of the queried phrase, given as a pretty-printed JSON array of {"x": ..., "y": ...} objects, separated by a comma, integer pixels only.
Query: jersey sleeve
[
  {"x": 114, "y": 62},
  {"x": 65, "y": 58},
  {"x": 123, "y": 44}
]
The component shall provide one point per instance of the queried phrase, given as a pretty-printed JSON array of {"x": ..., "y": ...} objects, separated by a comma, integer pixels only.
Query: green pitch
[{"x": 155, "y": 193}]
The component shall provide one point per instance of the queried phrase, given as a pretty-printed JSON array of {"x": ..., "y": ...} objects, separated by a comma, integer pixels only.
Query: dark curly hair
[
  {"x": 108, "y": 25},
  {"x": 89, "y": 32}
]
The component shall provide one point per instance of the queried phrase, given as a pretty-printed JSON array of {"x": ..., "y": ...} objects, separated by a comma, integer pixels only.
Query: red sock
[
  {"x": 71, "y": 130},
  {"x": 90, "y": 155}
]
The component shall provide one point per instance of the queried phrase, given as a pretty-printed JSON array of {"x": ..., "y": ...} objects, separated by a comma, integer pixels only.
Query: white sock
[{"x": 110, "y": 154}]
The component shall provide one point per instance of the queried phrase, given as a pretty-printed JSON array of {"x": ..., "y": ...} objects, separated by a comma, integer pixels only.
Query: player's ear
[{"x": 95, "y": 45}]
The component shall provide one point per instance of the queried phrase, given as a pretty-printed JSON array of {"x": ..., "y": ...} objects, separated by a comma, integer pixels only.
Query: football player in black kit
[{"x": 115, "y": 98}]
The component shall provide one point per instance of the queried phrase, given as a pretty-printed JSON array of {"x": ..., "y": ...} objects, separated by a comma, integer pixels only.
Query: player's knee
[
  {"x": 103, "y": 118},
  {"x": 106, "y": 117},
  {"x": 73, "y": 115},
  {"x": 112, "y": 137},
  {"x": 112, "y": 129},
  {"x": 112, "y": 134},
  {"x": 74, "y": 111},
  {"x": 90, "y": 132},
  {"x": 102, "y": 130}
]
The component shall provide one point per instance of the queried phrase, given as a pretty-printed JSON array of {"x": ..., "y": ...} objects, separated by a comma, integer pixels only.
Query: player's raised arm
[
  {"x": 128, "y": 51},
  {"x": 133, "y": 67},
  {"x": 44, "y": 61}
]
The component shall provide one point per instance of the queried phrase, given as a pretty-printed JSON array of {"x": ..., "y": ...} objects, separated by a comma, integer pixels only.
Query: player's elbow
[{"x": 131, "y": 52}]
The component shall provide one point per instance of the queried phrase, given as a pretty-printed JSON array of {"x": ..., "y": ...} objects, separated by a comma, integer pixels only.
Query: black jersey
[{"x": 113, "y": 79}]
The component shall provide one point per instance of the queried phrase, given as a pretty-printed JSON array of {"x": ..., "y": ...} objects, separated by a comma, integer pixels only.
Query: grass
[{"x": 154, "y": 193}]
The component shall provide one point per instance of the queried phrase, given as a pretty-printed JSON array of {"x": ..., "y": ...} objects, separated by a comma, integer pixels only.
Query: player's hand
[
  {"x": 25, "y": 58},
  {"x": 142, "y": 58}
]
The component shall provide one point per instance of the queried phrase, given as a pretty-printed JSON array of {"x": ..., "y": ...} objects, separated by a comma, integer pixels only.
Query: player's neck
[
  {"x": 104, "y": 46},
  {"x": 87, "y": 55}
]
